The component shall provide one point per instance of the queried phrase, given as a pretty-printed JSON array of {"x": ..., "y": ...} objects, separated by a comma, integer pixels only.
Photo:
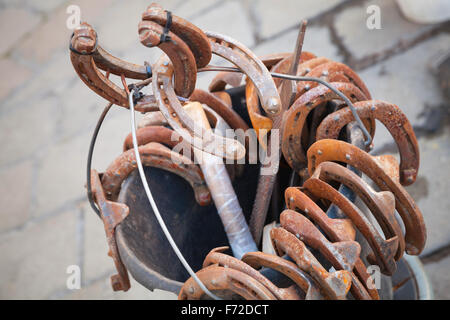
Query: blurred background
[{"x": 47, "y": 115}]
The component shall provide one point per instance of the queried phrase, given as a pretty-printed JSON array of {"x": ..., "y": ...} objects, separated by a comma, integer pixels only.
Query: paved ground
[{"x": 47, "y": 116}]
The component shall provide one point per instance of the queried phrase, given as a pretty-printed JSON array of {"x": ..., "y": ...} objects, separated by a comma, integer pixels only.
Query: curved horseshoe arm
[
  {"x": 250, "y": 64},
  {"x": 340, "y": 151},
  {"x": 149, "y": 134},
  {"x": 155, "y": 155},
  {"x": 225, "y": 279},
  {"x": 288, "y": 268},
  {"x": 343, "y": 254},
  {"x": 230, "y": 116},
  {"x": 381, "y": 204},
  {"x": 333, "y": 71},
  {"x": 393, "y": 119},
  {"x": 112, "y": 214},
  {"x": 109, "y": 63},
  {"x": 336, "y": 284},
  {"x": 384, "y": 250},
  {"x": 181, "y": 57},
  {"x": 223, "y": 260},
  {"x": 336, "y": 229},
  {"x": 84, "y": 42},
  {"x": 259, "y": 122},
  {"x": 295, "y": 119},
  {"x": 224, "y": 78},
  {"x": 180, "y": 121},
  {"x": 193, "y": 36}
]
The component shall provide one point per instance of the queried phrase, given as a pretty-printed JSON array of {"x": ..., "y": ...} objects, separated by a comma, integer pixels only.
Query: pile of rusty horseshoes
[{"x": 319, "y": 226}]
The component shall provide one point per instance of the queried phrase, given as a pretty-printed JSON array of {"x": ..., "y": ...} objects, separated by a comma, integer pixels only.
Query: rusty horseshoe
[
  {"x": 155, "y": 155},
  {"x": 381, "y": 204},
  {"x": 336, "y": 150},
  {"x": 217, "y": 257},
  {"x": 295, "y": 118},
  {"x": 226, "y": 280},
  {"x": 112, "y": 213},
  {"x": 384, "y": 250},
  {"x": 393, "y": 119},
  {"x": 342, "y": 255},
  {"x": 335, "y": 284}
]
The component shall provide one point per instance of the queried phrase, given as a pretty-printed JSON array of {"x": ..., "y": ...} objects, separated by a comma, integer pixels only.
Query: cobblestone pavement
[{"x": 47, "y": 116}]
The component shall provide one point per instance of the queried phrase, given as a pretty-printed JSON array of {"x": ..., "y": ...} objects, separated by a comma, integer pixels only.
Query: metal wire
[
  {"x": 155, "y": 207},
  {"x": 366, "y": 133},
  {"x": 89, "y": 160}
]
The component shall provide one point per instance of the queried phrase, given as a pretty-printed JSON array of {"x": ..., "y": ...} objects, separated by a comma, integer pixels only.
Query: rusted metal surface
[
  {"x": 88, "y": 57},
  {"x": 228, "y": 114},
  {"x": 335, "y": 229},
  {"x": 288, "y": 268},
  {"x": 222, "y": 79},
  {"x": 384, "y": 250},
  {"x": 112, "y": 214},
  {"x": 336, "y": 150},
  {"x": 155, "y": 155},
  {"x": 310, "y": 64},
  {"x": 250, "y": 64},
  {"x": 84, "y": 41},
  {"x": 260, "y": 123},
  {"x": 381, "y": 204},
  {"x": 336, "y": 284},
  {"x": 107, "y": 62},
  {"x": 332, "y": 72},
  {"x": 284, "y": 66},
  {"x": 269, "y": 170},
  {"x": 149, "y": 134},
  {"x": 342, "y": 255},
  {"x": 272, "y": 59},
  {"x": 224, "y": 97},
  {"x": 178, "y": 118},
  {"x": 228, "y": 282},
  {"x": 190, "y": 34},
  {"x": 216, "y": 257},
  {"x": 154, "y": 118},
  {"x": 393, "y": 119},
  {"x": 295, "y": 119},
  {"x": 181, "y": 57}
]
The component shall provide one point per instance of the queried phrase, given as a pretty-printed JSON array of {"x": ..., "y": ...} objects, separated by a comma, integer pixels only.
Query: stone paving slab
[
  {"x": 228, "y": 18},
  {"x": 14, "y": 24},
  {"x": 18, "y": 74},
  {"x": 24, "y": 131},
  {"x": 35, "y": 258},
  {"x": 431, "y": 189},
  {"x": 275, "y": 16},
  {"x": 351, "y": 28},
  {"x": 15, "y": 187},
  {"x": 317, "y": 40},
  {"x": 407, "y": 82},
  {"x": 439, "y": 276},
  {"x": 101, "y": 289}
]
